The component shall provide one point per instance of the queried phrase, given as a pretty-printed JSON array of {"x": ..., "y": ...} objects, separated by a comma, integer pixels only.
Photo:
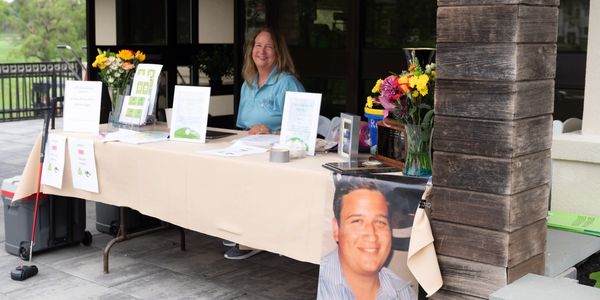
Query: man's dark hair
[{"x": 348, "y": 185}]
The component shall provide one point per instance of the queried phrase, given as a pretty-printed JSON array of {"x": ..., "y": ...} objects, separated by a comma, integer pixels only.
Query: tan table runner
[{"x": 272, "y": 206}]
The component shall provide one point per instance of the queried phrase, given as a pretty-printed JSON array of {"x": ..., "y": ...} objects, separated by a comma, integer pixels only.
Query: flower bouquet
[
  {"x": 408, "y": 98},
  {"x": 116, "y": 71}
]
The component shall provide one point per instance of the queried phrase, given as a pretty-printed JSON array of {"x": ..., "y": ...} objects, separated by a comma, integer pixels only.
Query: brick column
[{"x": 493, "y": 132}]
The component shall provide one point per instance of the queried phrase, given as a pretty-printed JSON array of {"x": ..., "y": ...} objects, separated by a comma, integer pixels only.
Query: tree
[
  {"x": 43, "y": 24},
  {"x": 5, "y": 16}
]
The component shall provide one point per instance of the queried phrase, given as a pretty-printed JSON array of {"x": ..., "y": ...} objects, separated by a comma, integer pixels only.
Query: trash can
[
  {"x": 61, "y": 221},
  {"x": 108, "y": 219}
]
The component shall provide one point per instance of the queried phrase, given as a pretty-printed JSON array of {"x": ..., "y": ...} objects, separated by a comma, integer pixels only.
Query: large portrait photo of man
[{"x": 368, "y": 215}]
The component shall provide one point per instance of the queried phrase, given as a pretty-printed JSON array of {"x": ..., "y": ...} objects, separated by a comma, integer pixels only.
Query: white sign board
[
  {"x": 301, "y": 120},
  {"x": 83, "y": 164},
  {"x": 82, "y": 106},
  {"x": 190, "y": 113},
  {"x": 54, "y": 161}
]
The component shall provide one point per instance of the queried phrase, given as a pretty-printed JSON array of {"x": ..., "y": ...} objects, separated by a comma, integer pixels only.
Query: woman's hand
[{"x": 259, "y": 129}]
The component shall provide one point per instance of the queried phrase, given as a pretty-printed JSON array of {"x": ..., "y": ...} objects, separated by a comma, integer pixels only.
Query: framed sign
[
  {"x": 391, "y": 143},
  {"x": 300, "y": 120},
  {"x": 190, "y": 113},
  {"x": 349, "y": 133}
]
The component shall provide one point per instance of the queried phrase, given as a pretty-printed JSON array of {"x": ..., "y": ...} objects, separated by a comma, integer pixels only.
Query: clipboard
[{"x": 359, "y": 167}]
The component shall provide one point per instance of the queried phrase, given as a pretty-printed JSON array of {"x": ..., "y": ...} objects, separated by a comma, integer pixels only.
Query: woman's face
[{"x": 263, "y": 52}]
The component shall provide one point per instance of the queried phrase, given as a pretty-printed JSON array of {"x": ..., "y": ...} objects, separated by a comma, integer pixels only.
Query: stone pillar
[{"x": 493, "y": 132}]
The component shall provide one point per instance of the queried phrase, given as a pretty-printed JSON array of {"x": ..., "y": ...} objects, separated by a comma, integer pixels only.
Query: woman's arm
[{"x": 259, "y": 129}]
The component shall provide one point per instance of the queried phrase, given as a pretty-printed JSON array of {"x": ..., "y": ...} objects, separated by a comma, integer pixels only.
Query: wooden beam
[
  {"x": 493, "y": 138},
  {"x": 497, "y": 2},
  {"x": 501, "y": 176},
  {"x": 464, "y": 24},
  {"x": 480, "y": 280},
  {"x": 498, "y": 248},
  {"x": 506, "y": 213},
  {"x": 494, "y": 100}
]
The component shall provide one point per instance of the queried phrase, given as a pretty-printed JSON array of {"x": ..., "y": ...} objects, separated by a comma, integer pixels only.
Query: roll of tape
[{"x": 279, "y": 155}]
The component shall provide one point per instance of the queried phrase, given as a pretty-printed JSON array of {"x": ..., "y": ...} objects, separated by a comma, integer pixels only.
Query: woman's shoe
[
  {"x": 228, "y": 243},
  {"x": 235, "y": 253}
]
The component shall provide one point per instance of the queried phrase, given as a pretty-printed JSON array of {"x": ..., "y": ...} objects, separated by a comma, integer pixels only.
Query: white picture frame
[
  {"x": 300, "y": 120},
  {"x": 190, "y": 113},
  {"x": 349, "y": 135}
]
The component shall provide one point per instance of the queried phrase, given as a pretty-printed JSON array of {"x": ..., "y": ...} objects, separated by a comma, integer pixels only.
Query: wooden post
[{"x": 493, "y": 132}]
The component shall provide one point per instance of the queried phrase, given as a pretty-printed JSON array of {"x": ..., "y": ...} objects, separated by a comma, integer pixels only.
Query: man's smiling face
[{"x": 363, "y": 232}]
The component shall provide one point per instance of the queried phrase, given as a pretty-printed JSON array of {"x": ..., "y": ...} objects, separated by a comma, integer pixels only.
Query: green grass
[{"x": 9, "y": 43}]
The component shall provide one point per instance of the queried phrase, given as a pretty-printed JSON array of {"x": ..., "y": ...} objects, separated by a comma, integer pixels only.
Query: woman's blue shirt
[{"x": 264, "y": 105}]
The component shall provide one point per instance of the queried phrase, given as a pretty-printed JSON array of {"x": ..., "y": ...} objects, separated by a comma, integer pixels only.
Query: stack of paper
[
  {"x": 135, "y": 137},
  {"x": 259, "y": 140},
  {"x": 236, "y": 149}
]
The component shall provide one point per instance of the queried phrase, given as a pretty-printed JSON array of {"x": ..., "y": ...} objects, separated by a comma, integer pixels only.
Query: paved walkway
[{"x": 149, "y": 267}]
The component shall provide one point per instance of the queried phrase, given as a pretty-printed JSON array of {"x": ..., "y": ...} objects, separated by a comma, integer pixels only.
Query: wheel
[
  {"x": 87, "y": 238},
  {"x": 24, "y": 253},
  {"x": 114, "y": 229}
]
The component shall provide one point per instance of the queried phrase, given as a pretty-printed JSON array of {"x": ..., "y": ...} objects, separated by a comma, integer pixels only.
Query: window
[
  {"x": 397, "y": 24},
  {"x": 573, "y": 20},
  {"x": 142, "y": 22}
]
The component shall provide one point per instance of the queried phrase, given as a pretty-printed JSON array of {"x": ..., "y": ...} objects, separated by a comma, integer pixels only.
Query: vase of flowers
[
  {"x": 408, "y": 97},
  {"x": 116, "y": 71}
]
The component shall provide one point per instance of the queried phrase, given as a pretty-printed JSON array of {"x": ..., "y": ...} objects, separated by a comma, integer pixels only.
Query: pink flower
[
  {"x": 128, "y": 66},
  {"x": 389, "y": 90}
]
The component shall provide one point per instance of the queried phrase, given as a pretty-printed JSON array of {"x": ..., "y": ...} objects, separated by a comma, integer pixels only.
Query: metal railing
[{"x": 26, "y": 88}]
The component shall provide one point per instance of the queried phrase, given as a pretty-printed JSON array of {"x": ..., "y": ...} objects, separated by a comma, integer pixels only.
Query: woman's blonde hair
[{"x": 284, "y": 61}]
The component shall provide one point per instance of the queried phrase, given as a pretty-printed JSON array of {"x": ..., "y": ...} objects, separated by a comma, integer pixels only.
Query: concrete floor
[{"x": 148, "y": 267}]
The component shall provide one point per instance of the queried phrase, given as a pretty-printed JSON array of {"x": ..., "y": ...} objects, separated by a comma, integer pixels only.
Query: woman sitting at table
[{"x": 268, "y": 73}]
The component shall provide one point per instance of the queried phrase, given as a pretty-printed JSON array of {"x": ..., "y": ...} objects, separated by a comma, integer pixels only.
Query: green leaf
[{"x": 428, "y": 118}]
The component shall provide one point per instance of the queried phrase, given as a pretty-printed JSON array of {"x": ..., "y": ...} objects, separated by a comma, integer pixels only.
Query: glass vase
[
  {"x": 117, "y": 95},
  {"x": 418, "y": 155},
  {"x": 116, "y": 102}
]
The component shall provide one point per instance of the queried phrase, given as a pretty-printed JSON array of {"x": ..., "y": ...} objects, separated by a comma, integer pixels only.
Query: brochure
[
  {"x": 134, "y": 110},
  {"x": 145, "y": 83}
]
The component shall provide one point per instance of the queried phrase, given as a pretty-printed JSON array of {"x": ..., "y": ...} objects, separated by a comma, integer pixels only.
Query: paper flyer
[
  {"x": 54, "y": 161},
  {"x": 301, "y": 119},
  {"x": 83, "y": 164},
  {"x": 145, "y": 83},
  {"x": 260, "y": 140},
  {"x": 82, "y": 106},
  {"x": 190, "y": 113},
  {"x": 236, "y": 149},
  {"x": 134, "y": 110}
]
